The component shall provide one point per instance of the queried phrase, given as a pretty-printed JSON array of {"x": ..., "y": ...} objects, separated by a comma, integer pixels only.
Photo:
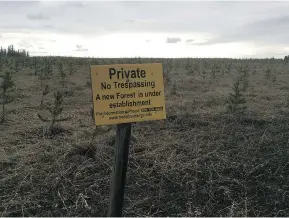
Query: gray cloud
[
  {"x": 48, "y": 26},
  {"x": 37, "y": 16},
  {"x": 190, "y": 40},
  {"x": 173, "y": 40},
  {"x": 80, "y": 48},
  {"x": 269, "y": 30},
  {"x": 24, "y": 44},
  {"x": 10, "y": 5},
  {"x": 264, "y": 23},
  {"x": 75, "y": 4},
  {"x": 275, "y": 31},
  {"x": 65, "y": 17}
]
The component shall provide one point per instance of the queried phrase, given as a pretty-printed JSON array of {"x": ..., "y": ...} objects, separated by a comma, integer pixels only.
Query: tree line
[{"x": 12, "y": 52}]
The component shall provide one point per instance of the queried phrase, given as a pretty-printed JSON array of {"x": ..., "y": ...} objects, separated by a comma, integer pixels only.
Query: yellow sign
[{"x": 124, "y": 93}]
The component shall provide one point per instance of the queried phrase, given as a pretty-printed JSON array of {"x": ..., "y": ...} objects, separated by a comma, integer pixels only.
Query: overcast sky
[{"x": 148, "y": 28}]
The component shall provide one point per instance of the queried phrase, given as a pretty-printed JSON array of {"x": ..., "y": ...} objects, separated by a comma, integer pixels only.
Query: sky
[{"x": 233, "y": 29}]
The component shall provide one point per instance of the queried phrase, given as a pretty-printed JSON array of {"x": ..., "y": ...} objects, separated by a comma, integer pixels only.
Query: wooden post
[{"x": 123, "y": 134}]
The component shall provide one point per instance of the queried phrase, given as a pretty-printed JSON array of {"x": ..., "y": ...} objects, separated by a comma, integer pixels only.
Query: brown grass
[{"x": 198, "y": 162}]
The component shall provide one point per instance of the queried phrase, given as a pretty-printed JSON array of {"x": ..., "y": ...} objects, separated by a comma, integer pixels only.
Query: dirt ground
[{"x": 200, "y": 161}]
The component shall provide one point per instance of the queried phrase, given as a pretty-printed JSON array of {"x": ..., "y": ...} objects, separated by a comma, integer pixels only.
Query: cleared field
[{"x": 200, "y": 161}]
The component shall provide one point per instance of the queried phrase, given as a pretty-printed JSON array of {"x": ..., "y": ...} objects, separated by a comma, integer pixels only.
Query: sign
[{"x": 125, "y": 93}]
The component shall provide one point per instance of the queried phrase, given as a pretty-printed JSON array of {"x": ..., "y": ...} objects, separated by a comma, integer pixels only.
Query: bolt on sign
[{"x": 125, "y": 93}]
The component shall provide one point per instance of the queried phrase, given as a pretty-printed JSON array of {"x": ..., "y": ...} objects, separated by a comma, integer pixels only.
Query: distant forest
[{"x": 11, "y": 52}]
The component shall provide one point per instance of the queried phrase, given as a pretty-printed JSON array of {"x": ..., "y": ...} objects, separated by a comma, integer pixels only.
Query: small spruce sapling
[
  {"x": 213, "y": 71},
  {"x": 245, "y": 80},
  {"x": 16, "y": 66},
  {"x": 47, "y": 69},
  {"x": 45, "y": 92},
  {"x": 270, "y": 76},
  {"x": 11, "y": 67},
  {"x": 5, "y": 85},
  {"x": 71, "y": 68},
  {"x": 55, "y": 111},
  {"x": 286, "y": 59},
  {"x": 268, "y": 73},
  {"x": 7, "y": 62},
  {"x": 33, "y": 63},
  {"x": 236, "y": 101},
  {"x": 62, "y": 75},
  {"x": 189, "y": 68},
  {"x": 37, "y": 69},
  {"x": 1, "y": 63},
  {"x": 41, "y": 77},
  {"x": 45, "y": 73}
]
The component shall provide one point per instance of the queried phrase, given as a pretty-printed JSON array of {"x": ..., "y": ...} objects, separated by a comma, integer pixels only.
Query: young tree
[
  {"x": 1, "y": 63},
  {"x": 5, "y": 85},
  {"x": 71, "y": 68},
  {"x": 47, "y": 68},
  {"x": 33, "y": 63},
  {"x": 16, "y": 66},
  {"x": 244, "y": 79},
  {"x": 268, "y": 73},
  {"x": 44, "y": 72},
  {"x": 62, "y": 75},
  {"x": 45, "y": 92},
  {"x": 286, "y": 59},
  {"x": 236, "y": 101},
  {"x": 55, "y": 111}
]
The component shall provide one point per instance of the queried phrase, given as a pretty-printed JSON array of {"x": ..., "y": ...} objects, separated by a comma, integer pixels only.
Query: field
[{"x": 203, "y": 160}]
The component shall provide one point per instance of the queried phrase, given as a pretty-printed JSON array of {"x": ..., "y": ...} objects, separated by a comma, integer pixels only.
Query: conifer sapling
[
  {"x": 55, "y": 111},
  {"x": 5, "y": 85},
  {"x": 45, "y": 92},
  {"x": 236, "y": 101}
]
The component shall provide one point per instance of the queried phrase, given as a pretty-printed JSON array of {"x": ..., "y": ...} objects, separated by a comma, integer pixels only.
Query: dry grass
[{"x": 198, "y": 162}]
